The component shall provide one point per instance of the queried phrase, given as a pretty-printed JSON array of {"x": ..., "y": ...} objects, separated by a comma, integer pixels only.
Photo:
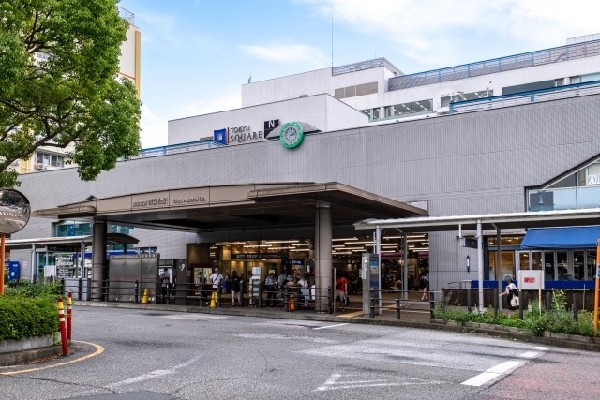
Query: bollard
[
  {"x": 469, "y": 301},
  {"x": 63, "y": 327},
  {"x": 145, "y": 297},
  {"x": 69, "y": 314},
  {"x": 213, "y": 300}
]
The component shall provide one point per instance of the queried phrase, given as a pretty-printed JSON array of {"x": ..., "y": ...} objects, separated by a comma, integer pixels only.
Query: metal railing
[
  {"x": 252, "y": 294},
  {"x": 523, "y": 60},
  {"x": 383, "y": 300},
  {"x": 555, "y": 93}
]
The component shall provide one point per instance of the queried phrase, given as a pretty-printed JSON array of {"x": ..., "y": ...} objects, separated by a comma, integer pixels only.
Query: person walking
[
  {"x": 235, "y": 288},
  {"x": 512, "y": 295},
  {"x": 425, "y": 286}
]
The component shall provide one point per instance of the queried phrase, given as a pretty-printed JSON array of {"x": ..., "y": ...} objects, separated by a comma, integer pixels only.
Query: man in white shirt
[{"x": 217, "y": 279}]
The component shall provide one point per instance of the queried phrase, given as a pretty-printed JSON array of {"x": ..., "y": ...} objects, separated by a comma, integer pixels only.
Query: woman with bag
[{"x": 512, "y": 295}]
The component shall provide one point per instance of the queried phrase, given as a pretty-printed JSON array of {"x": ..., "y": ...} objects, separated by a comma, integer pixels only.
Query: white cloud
[
  {"x": 443, "y": 32},
  {"x": 290, "y": 54}
]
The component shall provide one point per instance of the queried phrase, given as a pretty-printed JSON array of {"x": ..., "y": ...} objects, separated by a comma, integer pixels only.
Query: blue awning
[{"x": 584, "y": 237}]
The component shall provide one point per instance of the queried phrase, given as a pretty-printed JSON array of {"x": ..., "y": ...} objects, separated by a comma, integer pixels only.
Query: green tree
[{"x": 58, "y": 84}]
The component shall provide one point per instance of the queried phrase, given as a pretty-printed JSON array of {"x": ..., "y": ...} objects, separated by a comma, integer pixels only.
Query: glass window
[
  {"x": 579, "y": 266},
  {"x": 549, "y": 266},
  {"x": 563, "y": 268}
]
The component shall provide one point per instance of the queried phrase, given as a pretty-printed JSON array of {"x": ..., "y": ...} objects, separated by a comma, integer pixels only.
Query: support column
[
  {"x": 480, "y": 264},
  {"x": 499, "y": 265},
  {"x": 99, "y": 262},
  {"x": 323, "y": 257}
]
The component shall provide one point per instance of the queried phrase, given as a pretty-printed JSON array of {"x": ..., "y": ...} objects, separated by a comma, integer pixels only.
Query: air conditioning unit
[{"x": 40, "y": 167}]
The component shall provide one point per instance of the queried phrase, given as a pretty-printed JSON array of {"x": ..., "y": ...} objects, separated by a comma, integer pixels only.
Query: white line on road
[
  {"x": 529, "y": 354},
  {"x": 493, "y": 373},
  {"x": 330, "y": 326},
  {"x": 153, "y": 374}
]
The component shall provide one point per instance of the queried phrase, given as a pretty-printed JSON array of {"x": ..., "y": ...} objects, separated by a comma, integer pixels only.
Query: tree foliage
[{"x": 58, "y": 85}]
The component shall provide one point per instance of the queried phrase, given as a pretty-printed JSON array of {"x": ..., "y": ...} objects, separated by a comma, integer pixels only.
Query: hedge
[{"x": 28, "y": 310}]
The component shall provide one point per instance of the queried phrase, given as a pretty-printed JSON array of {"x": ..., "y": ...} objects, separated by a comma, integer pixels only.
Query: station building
[{"x": 509, "y": 135}]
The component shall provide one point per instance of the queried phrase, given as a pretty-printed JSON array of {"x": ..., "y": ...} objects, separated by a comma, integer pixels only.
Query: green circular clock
[{"x": 291, "y": 135}]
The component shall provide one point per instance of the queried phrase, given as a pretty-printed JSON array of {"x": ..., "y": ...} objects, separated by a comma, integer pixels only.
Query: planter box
[
  {"x": 36, "y": 342},
  {"x": 579, "y": 338},
  {"x": 561, "y": 336}
]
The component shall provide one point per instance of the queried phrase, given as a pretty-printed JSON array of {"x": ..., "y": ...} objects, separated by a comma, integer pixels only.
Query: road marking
[
  {"x": 351, "y": 315},
  {"x": 334, "y": 383},
  {"x": 194, "y": 317},
  {"x": 330, "y": 326},
  {"x": 529, "y": 354},
  {"x": 153, "y": 374},
  {"x": 495, "y": 372},
  {"x": 99, "y": 350}
]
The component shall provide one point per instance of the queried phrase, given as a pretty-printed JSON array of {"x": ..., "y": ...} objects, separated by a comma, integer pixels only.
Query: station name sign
[
  {"x": 255, "y": 256},
  {"x": 176, "y": 198}
]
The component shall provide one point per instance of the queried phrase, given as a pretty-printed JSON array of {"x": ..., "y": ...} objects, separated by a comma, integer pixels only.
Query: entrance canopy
[
  {"x": 236, "y": 207},
  {"x": 541, "y": 219},
  {"x": 112, "y": 238},
  {"x": 584, "y": 237}
]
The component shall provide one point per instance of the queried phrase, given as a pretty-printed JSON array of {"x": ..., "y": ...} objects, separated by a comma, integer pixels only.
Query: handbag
[{"x": 514, "y": 302}]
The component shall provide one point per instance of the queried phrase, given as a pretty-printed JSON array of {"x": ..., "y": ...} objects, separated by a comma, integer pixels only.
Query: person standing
[
  {"x": 217, "y": 279},
  {"x": 235, "y": 288},
  {"x": 342, "y": 290},
  {"x": 271, "y": 289},
  {"x": 164, "y": 285}
]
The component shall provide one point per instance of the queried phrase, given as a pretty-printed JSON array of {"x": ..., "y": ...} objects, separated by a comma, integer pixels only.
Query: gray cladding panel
[{"x": 468, "y": 163}]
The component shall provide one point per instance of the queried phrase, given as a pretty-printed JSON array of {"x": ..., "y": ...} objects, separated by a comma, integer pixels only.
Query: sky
[{"x": 197, "y": 54}]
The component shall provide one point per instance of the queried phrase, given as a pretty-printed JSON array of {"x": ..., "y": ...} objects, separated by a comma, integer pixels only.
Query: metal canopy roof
[
  {"x": 236, "y": 207},
  {"x": 541, "y": 219},
  {"x": 112, "y": 238}
]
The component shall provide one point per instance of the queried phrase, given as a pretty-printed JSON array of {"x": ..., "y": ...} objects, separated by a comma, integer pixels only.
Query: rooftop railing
[
  {"x": 522, "y": 60},
  {"x": 559, "y": 92}
]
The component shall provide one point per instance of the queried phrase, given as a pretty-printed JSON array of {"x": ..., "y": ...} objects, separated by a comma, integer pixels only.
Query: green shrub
[{"x": 28, "y": 310}]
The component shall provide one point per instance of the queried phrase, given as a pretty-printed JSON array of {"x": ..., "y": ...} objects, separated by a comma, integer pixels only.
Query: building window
[
  {"x": 374, "y": 114},
  {"x": 363, "y": 89},
  {"x": 51, "y": 160}
]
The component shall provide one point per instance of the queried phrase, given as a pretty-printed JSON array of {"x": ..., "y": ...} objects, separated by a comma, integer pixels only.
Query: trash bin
[{"x": 14, "y": 271}]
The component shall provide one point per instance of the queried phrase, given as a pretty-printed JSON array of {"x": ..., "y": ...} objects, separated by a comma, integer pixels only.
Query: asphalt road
[{"x": 152, "y": 355}]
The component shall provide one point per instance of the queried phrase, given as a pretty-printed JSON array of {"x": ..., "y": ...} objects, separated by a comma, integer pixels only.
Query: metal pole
[
  {"x": 480, "y": 263},
  {"x": 2, "y": 255},
  {"x": 597, "y": 287},
  {"x": 378, "y": 247},
  {"x": 405, "y": 263},
  {"x": 499, "y": 266}
]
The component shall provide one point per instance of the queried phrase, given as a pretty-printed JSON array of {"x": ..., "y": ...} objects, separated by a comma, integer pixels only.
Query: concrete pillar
[
  {"x": 99, "y": 261},
  {"x": 323, "y": 257}
]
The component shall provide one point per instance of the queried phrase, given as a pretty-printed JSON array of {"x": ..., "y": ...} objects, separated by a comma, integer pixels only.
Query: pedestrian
[
  {"x": 164, "y": 285},
  {"x": 512, "y": 295},
  {"x": 341, "y": 285},
  {"x": 217, "y": 280},
  {"x": 235, "y": 288},
  {"x": 271, "y": 289},
  {"x": 425, "y": 286}
]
